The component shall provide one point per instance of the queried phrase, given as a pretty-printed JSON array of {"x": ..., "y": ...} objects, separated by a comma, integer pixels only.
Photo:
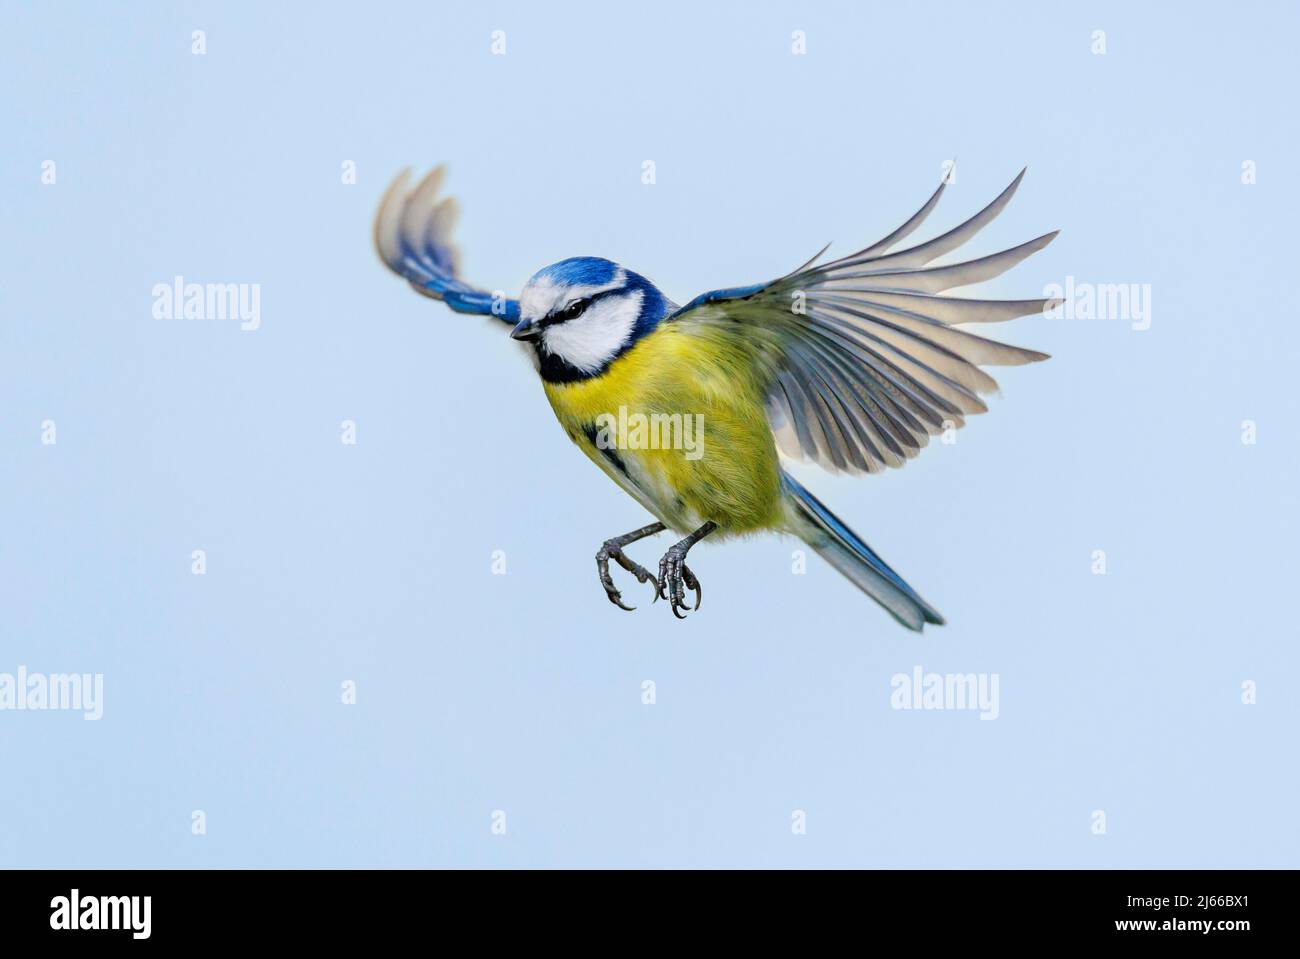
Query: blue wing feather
[{"x": 715, "y": 296}]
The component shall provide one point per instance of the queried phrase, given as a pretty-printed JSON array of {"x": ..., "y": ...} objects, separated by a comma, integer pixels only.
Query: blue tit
[{"x": 852, "y": 363}]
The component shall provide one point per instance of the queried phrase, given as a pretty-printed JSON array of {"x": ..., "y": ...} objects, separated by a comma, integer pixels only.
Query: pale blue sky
[{"x": 522, "y": 692}]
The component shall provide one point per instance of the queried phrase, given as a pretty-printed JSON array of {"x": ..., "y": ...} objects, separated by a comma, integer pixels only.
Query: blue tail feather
[{"x": 846, "y": 551}]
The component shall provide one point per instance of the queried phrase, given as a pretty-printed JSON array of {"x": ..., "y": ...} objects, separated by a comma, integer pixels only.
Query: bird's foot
[
  {"x": 611, "y": 549},
  {"x": 675, "y": 577}
]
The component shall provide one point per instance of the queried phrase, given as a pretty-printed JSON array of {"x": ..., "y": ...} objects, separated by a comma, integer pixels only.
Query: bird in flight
[{"x": 851, "y": 363}]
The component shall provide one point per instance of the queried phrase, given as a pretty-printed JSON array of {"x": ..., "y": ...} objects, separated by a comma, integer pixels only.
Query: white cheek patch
[{"x": 590, "y": 341}]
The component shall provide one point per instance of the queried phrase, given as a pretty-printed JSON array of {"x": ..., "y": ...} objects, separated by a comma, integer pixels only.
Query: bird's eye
[{"x": 574, "y": 310}]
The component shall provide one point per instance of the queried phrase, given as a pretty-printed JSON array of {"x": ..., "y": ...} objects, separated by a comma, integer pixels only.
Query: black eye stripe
[{"x": 582, "y": 306}]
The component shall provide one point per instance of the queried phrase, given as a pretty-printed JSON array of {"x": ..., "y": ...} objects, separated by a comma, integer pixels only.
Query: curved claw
[
  {"x": 617, "y": 599},
  {"x": 693, "y": 584}
]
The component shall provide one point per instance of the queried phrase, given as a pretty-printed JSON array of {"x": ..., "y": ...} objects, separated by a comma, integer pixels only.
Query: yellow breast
[{"x": 678, "y": 422}]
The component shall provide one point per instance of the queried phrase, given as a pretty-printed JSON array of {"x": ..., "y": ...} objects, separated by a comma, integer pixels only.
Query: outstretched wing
[
  {"x": 413, "y": 238},
  {"x": 861, "y": 357}
]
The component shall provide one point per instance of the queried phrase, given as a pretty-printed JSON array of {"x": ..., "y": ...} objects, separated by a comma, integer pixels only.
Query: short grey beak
[{"x": 526, "y": 330}]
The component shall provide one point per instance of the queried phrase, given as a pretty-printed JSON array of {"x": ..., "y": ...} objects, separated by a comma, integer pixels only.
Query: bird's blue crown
[{"x": 578, "y": 270}]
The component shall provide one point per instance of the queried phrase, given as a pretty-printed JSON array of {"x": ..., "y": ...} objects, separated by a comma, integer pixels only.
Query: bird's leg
[
  {"x": 675, "y": 576},
  {"x": 613, "y": 549}
]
